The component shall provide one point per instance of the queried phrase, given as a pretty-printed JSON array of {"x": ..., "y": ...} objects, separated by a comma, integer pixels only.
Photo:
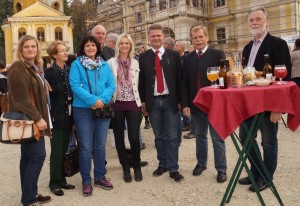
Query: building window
[
  {"x": 152, "y": 6},
  {"x": 138, "y": 17},
  {"x": 187, "y": 2},
  {"x": 21, "y": 32},
  {"x": 219, "y": 3},
  {"x": 56, "y": 5},
  {"x": 58, "y": 33},
  {"x": 221, "y": 35},
  {"x": 173, "y": 3},
  {"x": 18, "y": 6},
  {"x": 162, "y": 4},
  {"x": 40, "y": 34}
]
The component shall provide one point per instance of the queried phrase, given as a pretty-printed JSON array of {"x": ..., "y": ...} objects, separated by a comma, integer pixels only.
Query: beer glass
[{"x": 213, "y": 75}]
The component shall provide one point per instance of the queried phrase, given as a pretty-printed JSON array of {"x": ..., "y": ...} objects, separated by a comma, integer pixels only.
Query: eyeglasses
[{"x": 62, "y": 51}]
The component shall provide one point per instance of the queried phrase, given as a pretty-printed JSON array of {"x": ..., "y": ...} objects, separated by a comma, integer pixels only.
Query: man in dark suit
[
  {"x": 159, "y": 88},
  {"x": 195, "y": 77},
  {"x": 264, "y": 43},
  {"x": 99, "y": 32}
]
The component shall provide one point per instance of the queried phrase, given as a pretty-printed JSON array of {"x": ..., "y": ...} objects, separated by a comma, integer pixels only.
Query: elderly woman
[
  {"x": 127, "y": 105},
  {"x": 60, "y": 97},
  {"x": 93, "y": 86},
  {"x": 25, "y": 80}
]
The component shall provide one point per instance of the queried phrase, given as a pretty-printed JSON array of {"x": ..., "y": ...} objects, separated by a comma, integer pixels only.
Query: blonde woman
[
  {"x": 25, "y": 75},
  {"x": 127, "y": 105}
]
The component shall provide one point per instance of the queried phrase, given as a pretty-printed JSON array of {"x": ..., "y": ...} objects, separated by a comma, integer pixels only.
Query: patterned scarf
[
  {"x": 124, "y": 71},
  {"x": 65, "y": 73},
  {"x": 90, "y": 64}
]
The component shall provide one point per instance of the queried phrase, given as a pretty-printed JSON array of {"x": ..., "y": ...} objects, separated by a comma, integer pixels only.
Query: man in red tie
[{"x": 159, "y": 88}]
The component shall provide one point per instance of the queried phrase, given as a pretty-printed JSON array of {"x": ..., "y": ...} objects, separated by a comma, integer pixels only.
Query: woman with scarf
[
  {"x": 90, "y": 72},
  {"x": 127, "y": 105},
  {"x": 295, "y": 57},
  {"x": 26, "y": 84},
  {"x": 60, "y": 98}
]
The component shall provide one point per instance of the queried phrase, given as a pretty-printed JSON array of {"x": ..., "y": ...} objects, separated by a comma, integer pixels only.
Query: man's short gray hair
[
  {"x": 112, "y": 37},
  {"x": 259, "y": 8}
]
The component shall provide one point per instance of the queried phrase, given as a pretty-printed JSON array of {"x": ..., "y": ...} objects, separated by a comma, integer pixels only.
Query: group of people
[{"x": 160, "y": 84}]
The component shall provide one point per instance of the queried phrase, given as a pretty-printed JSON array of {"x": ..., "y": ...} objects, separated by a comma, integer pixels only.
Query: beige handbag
[{"x": 17, "y": 128}]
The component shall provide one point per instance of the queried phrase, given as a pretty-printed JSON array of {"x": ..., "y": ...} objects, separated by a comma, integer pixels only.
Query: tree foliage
[{"x": 6, "y": 9}]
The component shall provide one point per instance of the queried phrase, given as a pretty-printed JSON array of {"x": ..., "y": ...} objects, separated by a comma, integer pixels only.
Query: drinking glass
[
  {"x": 280, "y": 72},
  {"x": 213, "y": 75}
]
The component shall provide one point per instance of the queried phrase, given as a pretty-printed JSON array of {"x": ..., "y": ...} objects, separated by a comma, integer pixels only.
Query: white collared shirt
[
  {"x": 203, "y": 50},
  {"x": 166, "y": 90},
  {"x": 255, "y": 47}
]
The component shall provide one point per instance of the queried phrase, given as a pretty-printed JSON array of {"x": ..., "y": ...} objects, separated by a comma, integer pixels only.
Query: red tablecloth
[{"x": 228, "y": 108}]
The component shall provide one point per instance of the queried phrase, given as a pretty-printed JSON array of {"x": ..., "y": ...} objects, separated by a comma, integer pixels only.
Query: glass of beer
[
  {"x": 280, "y": 72},
  {"x": 213, "y": 75}
]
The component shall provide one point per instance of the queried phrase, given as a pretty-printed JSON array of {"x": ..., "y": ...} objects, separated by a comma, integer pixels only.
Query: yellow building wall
[
  {"x": 9, "y": 55},
  {"x": 24, "y": 3}
]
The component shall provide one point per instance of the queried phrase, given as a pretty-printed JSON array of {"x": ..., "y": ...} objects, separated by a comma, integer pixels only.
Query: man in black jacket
[
  {"x": 195, "y": 77},
  {"x": 264, "y": 43}
]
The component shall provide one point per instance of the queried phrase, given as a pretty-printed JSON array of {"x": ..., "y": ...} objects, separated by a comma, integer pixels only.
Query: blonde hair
[
  {"x": 52, "y": 48},
  {"x": 131, "y": 52},
  {"x": 18, "y": 56}
]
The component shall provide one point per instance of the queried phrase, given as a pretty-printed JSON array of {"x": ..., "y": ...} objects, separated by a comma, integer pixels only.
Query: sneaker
[
  {"x": 104, "y": 183},
  {"x": 87, "y": 190},
  {"x": 43, "y": 199}
]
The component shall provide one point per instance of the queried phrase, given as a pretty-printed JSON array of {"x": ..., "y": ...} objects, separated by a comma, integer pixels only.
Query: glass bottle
[
  {"x": 222, "y": 75},
  {"x": 228, "y": 71},
  {"x": 237, "y": 75},
  {"x": 267, "y": 70}
]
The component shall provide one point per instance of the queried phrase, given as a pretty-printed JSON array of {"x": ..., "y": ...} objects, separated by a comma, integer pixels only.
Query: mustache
[{"x": 199, "y": 42}]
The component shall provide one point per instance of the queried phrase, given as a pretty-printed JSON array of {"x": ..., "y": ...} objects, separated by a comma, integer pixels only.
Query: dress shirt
[{"x": 255, "y": 47}]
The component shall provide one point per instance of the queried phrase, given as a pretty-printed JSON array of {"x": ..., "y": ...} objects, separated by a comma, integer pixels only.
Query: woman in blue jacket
[{"x": 89, "y": 71}]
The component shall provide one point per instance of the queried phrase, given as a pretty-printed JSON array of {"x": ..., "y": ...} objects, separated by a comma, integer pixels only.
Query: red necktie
[
  {"x": 159, "y": 76},
  {"x": 198, "y": 82}
]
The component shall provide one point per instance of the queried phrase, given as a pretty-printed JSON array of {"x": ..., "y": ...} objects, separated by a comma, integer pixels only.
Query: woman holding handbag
[
  {"x": 61, "y": 99},
  {"x": 127, "y": 105},
  {"x": 92, "y": 83},
  {"x": 26, "y": 85}
]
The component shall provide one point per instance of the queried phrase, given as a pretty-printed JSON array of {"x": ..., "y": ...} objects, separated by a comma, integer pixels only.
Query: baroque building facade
[
  {"x": 226, "y": 20},
  {"x": 43, "y": 19}
]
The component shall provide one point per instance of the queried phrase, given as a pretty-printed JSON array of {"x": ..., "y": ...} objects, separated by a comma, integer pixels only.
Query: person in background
[
  {"x": 111, "y": 40},
  {"x": 142, "y": 49},
  {"x": 90, "y": 71},
  {"x": 159, "y": 90},
  {"x": 71, "y": 58},
  {"x": 3, "y": 88},
  {"x": 192, "y": 48},
  {"x": 295, "y": 58},
  {"x": 169, "y": 43},
  {"x": 99, "y": 32},
  {"x": 127, "y": 105},
  {"x": 61, "y": 100},
  {"x": 26, "y": 81},
  {"x": 264, "y": 43},
  {"x": 195, "y": 65}
]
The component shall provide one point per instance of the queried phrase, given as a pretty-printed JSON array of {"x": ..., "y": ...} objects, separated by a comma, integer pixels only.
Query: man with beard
[
  {"x": 195, "y": 77},
  {"x": 277, "y": 49}
]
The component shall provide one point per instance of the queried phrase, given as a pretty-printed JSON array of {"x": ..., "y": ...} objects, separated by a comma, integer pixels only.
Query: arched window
[
  {"x": 168, "y": 32},
  {"x": 56, "y": 5},
  {"x": 162, "y": 4},
  {"x": 21, "y": 32},
  {"x": 187, "y": 2},
  {"x": 40, "y": 34},
  {"x": 195, "y": 3},
  {"x": 18, "y": 6},
  {"x": 58, "y": 33}
]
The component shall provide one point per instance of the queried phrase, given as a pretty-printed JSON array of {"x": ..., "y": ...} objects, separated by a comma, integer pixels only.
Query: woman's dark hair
[
  {"x": 297, "y": 43},
  {"x": 86, "y": 40}
]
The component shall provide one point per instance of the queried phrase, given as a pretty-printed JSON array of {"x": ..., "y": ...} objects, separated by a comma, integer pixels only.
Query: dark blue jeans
[
  {"x": 31, "y": 163},
  {"x": 201, "y": 129},
  {"x": 164, "y": 121},
  {"x": 269, "y": 143}
]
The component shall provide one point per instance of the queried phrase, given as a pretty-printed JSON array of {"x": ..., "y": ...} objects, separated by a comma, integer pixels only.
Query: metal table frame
[{"x": 243, "y": 152}]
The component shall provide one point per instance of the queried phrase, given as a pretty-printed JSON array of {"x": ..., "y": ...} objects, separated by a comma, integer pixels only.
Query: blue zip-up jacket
[{"x": 105, "y": 84}]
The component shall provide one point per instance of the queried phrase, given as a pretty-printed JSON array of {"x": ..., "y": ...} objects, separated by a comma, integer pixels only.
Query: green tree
[{"x": 6, "y": 9}]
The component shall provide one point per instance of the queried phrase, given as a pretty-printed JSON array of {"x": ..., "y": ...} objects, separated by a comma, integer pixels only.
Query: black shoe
[
  {"x": 245, "y": 181},
  {"x": 176, "y": 176},
  {"x": 143, "y": 163},
  {"x": 138, "y": 174},
  {"x": 68, "y": 187},
  {"x": 189, "y": 136},
  {"x": 143, "y": 146},
  {"x": 126, "y": 173},
  {"x": 147, "y": 124},
  {"x": 43, "y": 199},
  {"x": 262, "y": 185},
  {"x": 222, "y": 177},
  {"x": 57, "y": 192},
  {"x": 198, "y": 170},
  {"x": 159, "y": 171}
]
